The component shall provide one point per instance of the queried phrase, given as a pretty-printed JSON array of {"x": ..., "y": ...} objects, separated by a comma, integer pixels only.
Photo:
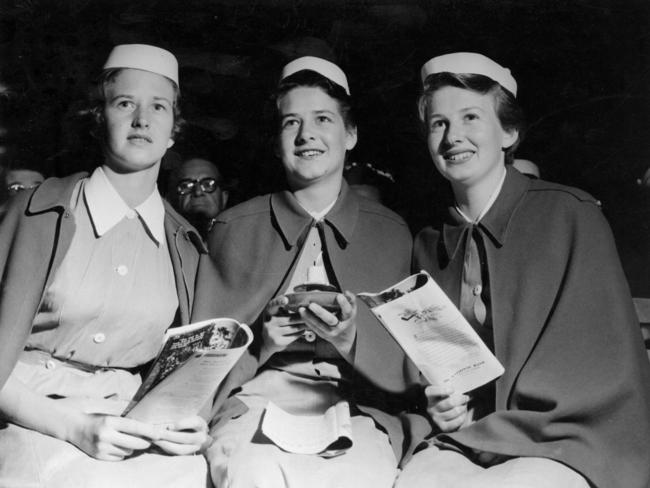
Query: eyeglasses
[
  {"x": 16, "y": 187},
  {"x": 207, "y": 185}
]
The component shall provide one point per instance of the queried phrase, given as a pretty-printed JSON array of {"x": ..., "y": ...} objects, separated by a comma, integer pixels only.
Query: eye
[
  {"x": 323, "y": 119},
  {"x": 160, "y": 107},
  {"x": 437, "y": 124},
  {"x": 289, "y": 123},
  {"x": 125, "y": 104},
  {"x": 471, "y": 116}
]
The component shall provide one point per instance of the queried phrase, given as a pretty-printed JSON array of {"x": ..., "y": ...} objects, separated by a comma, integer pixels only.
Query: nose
[
  {"x": 140, "y": 118},
  {"x": 454, "y": 133},
  {"x": 196, "y": 189},
  {"x": 304, "y": 134}
]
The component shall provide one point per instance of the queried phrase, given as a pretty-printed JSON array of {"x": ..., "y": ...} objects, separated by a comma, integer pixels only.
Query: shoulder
[
  {"x": 180, "y": 224},
  {"x": 566, "y": 194},
  {"x": 565, "y": 205},
  {"x": 374, "y": 210},
  {"x": 252, "y": 209}
]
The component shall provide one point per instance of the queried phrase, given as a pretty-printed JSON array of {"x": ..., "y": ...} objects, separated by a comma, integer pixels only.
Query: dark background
[{"x": 583, "y": 69}]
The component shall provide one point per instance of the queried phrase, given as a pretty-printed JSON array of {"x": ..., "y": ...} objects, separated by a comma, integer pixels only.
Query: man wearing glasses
[{"x": 199, "y": 193}]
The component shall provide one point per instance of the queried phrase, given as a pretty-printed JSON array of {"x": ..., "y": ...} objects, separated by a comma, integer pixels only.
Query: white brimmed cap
[
  {"x": 321, "y": 66},
  {"x": 144, "y": 57},
  {"x": 471, "y": 63}
]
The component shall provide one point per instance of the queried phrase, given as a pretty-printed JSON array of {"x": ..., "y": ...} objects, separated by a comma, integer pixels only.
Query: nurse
[
  {"x": 319, "y": 232},
  {"x": 95, "y": 268},
  {"x": 533, "y": 267}
]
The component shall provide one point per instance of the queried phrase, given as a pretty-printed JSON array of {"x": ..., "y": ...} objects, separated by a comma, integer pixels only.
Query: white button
[
  {"x": 49, "y": 364},
  {"x": 131, "y": 214},
  {"x": 309, "y": 336},
  {"x": 477, "y": 290},
  {"x": 99, "y": 338},
  {"x": 122, "y": 269}
]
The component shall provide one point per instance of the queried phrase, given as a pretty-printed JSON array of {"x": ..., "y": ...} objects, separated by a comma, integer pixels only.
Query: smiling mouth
[
  {"x": 308, "y": 153},
  {"x": 459, "y": 157}
]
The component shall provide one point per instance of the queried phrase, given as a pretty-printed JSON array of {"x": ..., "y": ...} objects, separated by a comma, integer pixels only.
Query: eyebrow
[
  {"x": 315, "y": 112},
  {"x": 131, "y": 97},
  {"x": 466, "y": 109}
]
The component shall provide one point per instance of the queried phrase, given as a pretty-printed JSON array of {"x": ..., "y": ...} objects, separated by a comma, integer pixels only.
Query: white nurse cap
[
  {"x": 471, "y": 63},
  {"x": 144, "y": 57},
  {"x": 321, "y": 66}
]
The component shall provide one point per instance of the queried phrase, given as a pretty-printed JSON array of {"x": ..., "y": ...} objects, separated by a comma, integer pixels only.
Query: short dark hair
[
  {"x": 509, "y": 112},
  {"x": 311, "y": 78},
  {"x": 97, "y": 101}
]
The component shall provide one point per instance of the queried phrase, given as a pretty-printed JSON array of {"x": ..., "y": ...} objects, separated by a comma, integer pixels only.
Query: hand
[
  {"x": 185, "y": 436},
  {"x": 110, "y": 438},
  {"x": 447, "y": 409},
  {"x": 278, "y": 331},
  {"x": 342, "y": 332}
]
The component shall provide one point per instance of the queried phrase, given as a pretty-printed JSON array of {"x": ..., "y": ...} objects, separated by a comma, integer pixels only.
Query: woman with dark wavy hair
[{"x": 311, "y": 357}]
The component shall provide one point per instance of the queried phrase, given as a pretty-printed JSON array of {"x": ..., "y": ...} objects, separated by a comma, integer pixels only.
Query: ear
[
  {"x": 509, "y": 138},
  {"x": 170, "y": 143},
  {"x": 224, "y": 198},
  {"x": 351, "y": 138}
]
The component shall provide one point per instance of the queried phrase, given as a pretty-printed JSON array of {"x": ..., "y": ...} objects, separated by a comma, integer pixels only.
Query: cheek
[{"x": 433, "y": 142}]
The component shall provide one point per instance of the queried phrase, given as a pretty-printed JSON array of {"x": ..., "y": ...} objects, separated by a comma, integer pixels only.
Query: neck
[
  {"x": 134, "y": 188},
  {"x": 472, "y": 199},
  {"x": 316, "y": 197}
]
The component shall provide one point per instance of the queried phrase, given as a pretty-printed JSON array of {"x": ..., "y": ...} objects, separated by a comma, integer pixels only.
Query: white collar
[
  {"x": 318, "y": 216},
  {"x": 489, "y": 203},
  {"x": 106, "y": 207}
]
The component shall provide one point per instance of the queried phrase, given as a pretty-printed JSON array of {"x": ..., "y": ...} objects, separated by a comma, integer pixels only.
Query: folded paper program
[
  {"x": 434, "y": 334},
  {"x": 327, "y": 435}
]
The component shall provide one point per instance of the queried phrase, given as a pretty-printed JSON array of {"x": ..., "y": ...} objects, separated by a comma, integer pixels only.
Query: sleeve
[{"x": 12, "y": 339}]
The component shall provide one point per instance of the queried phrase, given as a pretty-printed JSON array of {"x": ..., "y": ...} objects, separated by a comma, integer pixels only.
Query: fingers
[
  {"x": 133, "y": 428},
  {"x": 185, "y": 436},
  {"x": 320, "y": 317},
  {"x": 194, "y": 423},
  {"x": 348, "y": 304},
  {"x": 437, "y": 392},
  {"x": 317, "y": 316},
  {"x": 447, "y": 408},
  {"x": 179, "y": 449},
  {"x": 274, "y": 306}
]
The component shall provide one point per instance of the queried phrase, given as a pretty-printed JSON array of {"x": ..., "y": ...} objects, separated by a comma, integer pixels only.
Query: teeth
[
  {"x": 460, "y": 156},
  {"x": 309, "y": 153}
]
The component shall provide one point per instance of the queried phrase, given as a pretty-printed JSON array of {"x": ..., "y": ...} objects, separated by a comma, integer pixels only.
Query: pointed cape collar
[
  {"x": 495, "y": 222},
  {"x": 292, "y": 219}
]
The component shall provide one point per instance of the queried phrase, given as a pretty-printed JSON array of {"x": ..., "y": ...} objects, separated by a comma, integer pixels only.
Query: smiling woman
[
  {"x": 82, "y": 316},
  {"x": 311, "y": 355},
  {"x": 533, "y": 267}
]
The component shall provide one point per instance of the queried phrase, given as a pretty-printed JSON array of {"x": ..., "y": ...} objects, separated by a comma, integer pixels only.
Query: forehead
[
  {"x": 131, "y": 81},
  {"x": 198, "y": 168},
  {"x": 449, "y": 99},
  {"x": 304, "y": 99}
]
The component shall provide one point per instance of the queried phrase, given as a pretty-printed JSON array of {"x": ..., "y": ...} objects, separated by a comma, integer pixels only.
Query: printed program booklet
[
  {"x": 192, "y": 363},
  {"x": 327, "y": 435},
  {"x": 434, "y": 334}
]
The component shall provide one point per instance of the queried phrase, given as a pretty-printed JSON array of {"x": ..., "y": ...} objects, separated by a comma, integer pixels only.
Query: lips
[
  {"x": 458, "y": 156},
  {"x": 308, "y": 153},
  {"x": 139, "y": 138}
]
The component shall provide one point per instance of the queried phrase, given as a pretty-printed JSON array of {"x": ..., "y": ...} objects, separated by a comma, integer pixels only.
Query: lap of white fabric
[
  {"x": 238, "y": 460},
  {"x": 437, "y": 468}
]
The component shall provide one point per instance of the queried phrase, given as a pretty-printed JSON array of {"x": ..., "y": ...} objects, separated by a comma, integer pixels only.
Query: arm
[
  {"x": 104, "y": 437},
  {"x": 101, "y": 435}
]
